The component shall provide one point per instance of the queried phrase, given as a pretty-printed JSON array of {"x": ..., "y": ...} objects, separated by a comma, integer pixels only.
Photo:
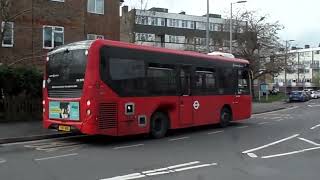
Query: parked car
[
  {"x": 308, "y": 92},
  {"x": 298, "y": 96},
  {"x": 317, "y": 94}
]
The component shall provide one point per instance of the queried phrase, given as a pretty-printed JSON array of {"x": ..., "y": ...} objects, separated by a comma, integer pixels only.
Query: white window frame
[
  {"x": 95, "y": 7},
  {"x": 12, "y": 34},
  {"x": 162, "y": 21},
  {"x": 58, "y": 0},
  {"x": 52, "y": 35},
  {"x": 96, "y": 36}
]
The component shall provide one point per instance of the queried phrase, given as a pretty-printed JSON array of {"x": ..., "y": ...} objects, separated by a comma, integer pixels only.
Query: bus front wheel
[
  {"x": 159, "y": 125},
  {"x": 225, "y": 117}
]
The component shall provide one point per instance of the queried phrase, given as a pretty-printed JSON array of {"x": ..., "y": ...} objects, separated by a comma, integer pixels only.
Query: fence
[{"x": 20, "y": 109}]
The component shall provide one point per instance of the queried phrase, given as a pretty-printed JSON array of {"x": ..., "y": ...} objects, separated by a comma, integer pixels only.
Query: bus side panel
[
  {"x": 210, "y": 108},
  {"x": 244, "y": 109},
  {"x": 130, "y": 124}
]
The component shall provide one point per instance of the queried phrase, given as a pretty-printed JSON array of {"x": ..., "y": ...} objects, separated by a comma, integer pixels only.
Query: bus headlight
[
  {"x": 44, "y": 110},
  {"x": 88, "y": 103},
  {"x": 43, "y": 102}
]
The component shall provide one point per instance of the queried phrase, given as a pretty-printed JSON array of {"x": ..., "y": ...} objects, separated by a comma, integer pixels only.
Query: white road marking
[
  {"x": 125, "y": 147},
  {"x": 270, "y": 144},
  {"x": 55, "y": 157},
  {"x": 252, "y": 155},
  {"x": 171, "y": 167},
  {"x": 43, "y": 140},
  {"x": 195, "y": 167},
  {"x": 314, "y": 105},
  {"x": 290, "y": 153},
  {"x": 2, "y": 161},
  {"x": 161, "y": 171},
  {"x": 127, "y": 177},
  {"x": 177, "y": 139},
  {"x": 279, "y": 120},
  {"x": 310, "y": 142},
  {"x": 262, "y": 123},
  {"x": 215, "y": 132},
  {"x": 275, "y": 111},
  {"x": 242, "y": 127},
  {"x": 314, "y": 127}
]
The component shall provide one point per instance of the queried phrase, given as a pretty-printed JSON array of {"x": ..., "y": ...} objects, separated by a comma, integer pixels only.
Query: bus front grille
[
  {"x": 70, "y": 93},
  {"x": 108, "y": 116}
]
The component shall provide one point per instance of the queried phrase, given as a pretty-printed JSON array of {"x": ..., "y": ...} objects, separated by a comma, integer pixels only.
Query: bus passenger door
[
  {"x": 242, "y": 99},
  {"x": 185, "y": 100}
]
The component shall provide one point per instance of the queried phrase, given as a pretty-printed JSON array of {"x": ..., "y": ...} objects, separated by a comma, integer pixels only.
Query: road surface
[{"x": 278, "y": 145}]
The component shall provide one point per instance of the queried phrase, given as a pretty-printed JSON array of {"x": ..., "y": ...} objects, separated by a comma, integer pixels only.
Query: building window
[
  {"x": 184, "y": 24},
  {"x": 94, "y": 37},
  {"x": 53, "y": 36},
  {"x": 162, "y": 21},
  {"x": 96, "y": 6},
  {"x": 145, "y": 37},
  {"x": 7, "y": 28},
  {"x": 154, "y": 21},
  {"x": 173, "y": 39},
  {"x": 191, "y": 24},
  {"x": 173, "y": 23}
]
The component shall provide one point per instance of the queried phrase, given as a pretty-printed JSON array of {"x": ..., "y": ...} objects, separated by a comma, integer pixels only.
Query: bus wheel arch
[
  {"x": 159, "y": 123},
  {"x": 226, "y": 115}
]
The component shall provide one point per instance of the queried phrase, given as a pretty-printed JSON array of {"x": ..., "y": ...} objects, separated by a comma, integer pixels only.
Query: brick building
[{"x": 41, "y": 25}]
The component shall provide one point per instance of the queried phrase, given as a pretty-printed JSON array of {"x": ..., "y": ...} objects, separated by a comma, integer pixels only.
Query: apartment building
[
  {"x": 37, "y": 26},
  {"x": 303, "y": 69},
  {"x": 157, "y": 27}
]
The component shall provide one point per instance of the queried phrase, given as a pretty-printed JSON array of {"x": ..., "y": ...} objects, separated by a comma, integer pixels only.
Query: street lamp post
[
  {"x": 207, "y": 28},
  {"x": 231, "y": 4},
  {"x": 285, "y": 67}
]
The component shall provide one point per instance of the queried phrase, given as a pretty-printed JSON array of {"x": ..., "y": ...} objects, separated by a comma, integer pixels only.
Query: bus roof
[
  {"x": 169, "y": 51},
  {"x": 87, "y": 44}
]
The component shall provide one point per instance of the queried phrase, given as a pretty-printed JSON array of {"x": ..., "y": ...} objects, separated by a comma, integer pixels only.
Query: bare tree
[{"x": 259, "y": 43}]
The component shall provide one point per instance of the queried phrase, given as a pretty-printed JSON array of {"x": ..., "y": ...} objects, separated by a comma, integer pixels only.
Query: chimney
[
  {"x": 125, "y": 10},
  {"x": 307, "y": 46}
]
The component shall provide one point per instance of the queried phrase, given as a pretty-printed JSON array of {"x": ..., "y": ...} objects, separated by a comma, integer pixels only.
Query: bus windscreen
[{"x": 66, "y": 69}]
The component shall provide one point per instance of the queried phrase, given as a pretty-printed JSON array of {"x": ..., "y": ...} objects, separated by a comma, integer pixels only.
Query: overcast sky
[{"x": 300, "y": 18}]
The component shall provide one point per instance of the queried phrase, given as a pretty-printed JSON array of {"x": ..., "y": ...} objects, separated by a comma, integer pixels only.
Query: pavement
[
  {"x": 283, "y": 144},
  {"x": 33, "y": 130}
]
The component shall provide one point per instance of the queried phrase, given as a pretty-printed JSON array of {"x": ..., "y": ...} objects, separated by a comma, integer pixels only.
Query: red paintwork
[{"x": 180, "y": 109}]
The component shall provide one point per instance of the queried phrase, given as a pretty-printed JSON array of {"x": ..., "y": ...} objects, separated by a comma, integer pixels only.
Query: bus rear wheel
[
  {"x": 225, "y": 117},
  {"x": 159, "y": 125}
]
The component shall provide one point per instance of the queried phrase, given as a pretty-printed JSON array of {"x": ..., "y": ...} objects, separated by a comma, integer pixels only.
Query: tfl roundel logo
[{"x": 196, "y": 105}]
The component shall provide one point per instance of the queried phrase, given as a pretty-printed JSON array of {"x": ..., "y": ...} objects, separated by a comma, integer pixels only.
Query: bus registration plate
[{"x": 64, "y": 128}]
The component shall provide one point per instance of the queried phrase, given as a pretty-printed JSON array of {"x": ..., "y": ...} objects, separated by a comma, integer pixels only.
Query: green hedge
[{"x": 25, "y": 81}]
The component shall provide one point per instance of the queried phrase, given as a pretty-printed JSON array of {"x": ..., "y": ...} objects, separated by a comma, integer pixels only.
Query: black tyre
[
  {"x": 225, "y": 117},
  {"x": 159, "y": 125}
]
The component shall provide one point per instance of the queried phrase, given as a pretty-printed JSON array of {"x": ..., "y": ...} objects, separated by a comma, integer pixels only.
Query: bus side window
[
  {"x": 227, "y": 84},
  {"x": 162, "y": 79},
  {"x": 205, "y": 81}
]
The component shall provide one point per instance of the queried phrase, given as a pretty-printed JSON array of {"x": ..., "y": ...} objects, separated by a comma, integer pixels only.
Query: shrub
[{"x": 17, "y": 81}]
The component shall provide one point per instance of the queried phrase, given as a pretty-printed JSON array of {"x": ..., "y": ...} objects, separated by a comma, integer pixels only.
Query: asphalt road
[{"x": 279, "y": 145}]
